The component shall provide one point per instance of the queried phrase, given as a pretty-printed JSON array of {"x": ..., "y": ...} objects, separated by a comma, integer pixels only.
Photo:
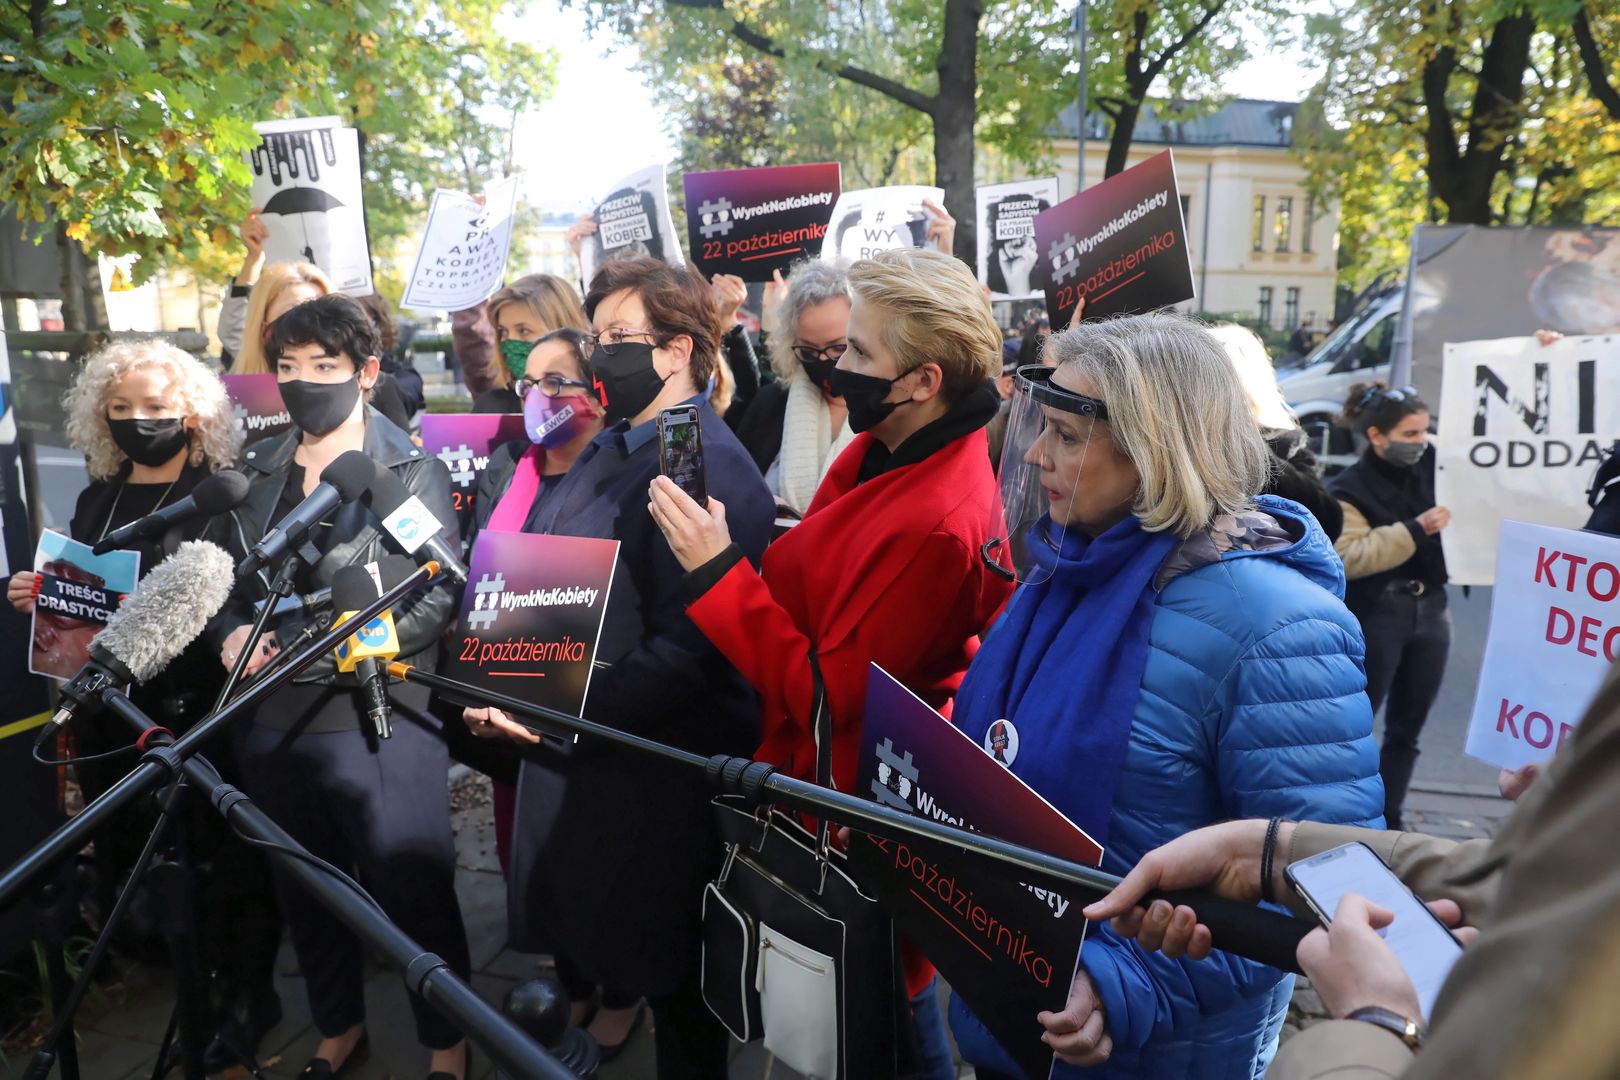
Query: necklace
[{"x": 119, "y": 494}]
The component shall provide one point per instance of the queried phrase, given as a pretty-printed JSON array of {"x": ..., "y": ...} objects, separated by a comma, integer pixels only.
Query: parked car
[{"x": 1315, "y": 385}]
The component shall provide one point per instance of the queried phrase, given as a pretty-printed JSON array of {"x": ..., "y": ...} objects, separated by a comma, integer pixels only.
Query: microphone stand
[
  {"x": 1251, "y": 932},
  {"x": 281, "y": 587}
]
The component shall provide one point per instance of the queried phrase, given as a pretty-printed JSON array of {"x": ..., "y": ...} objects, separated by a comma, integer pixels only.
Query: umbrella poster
[
  {"x": 306, "y": 184},
  {"x": 871, "y": 220},
  {"x": 1120, "y": 245},
  {"x": 750, "y": 222},
  {"x": 462, "y": 260},
  {"x": 78, "y": 592},
  {"x": 633, "y": 220},
  {"x": 1007, "y": 941},
  {"x": 1008, "y": 259}
]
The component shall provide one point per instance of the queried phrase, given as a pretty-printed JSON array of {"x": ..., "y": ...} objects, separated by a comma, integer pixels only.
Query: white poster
[
  {"x": 1008, "y": 261},
  {"x": 1524, "y": 426},
  {"x": 1555, "y": 632},
  {"x": 633, "y": 220},
  {"x": 462, "y": 259},
  {"x": 871, "y": 220},
  {"x": 306, "y": 184}
]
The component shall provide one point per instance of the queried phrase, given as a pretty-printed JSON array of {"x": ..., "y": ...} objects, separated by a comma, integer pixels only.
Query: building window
[
  {"x": 1283, "y": 227},
  {"x": 1265, "y": 305},
  {"x": 1257, "y": 230},
  {"x": 1310, "y": 219},
  {"x": 1291, "y": 308}
]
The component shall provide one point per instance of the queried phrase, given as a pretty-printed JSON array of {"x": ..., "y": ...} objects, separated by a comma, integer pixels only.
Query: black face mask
[
  {"x": 149, "y": 442},
  {"x": 863, "y": 396},
  {"x": 820, "y": 373},
  {"x": 320, "y": 408},
  {"x": 626, "y": 382}
]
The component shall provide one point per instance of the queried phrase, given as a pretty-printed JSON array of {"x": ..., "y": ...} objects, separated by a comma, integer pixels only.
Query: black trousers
[
  {"x": 691, "y": 1044},
  {"x": 376, "y": 808},
  {"x": 1408, "y": 640}
]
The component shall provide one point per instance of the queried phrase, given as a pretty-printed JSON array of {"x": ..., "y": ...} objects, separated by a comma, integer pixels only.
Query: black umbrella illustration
[{"x": 295, "y": 202}]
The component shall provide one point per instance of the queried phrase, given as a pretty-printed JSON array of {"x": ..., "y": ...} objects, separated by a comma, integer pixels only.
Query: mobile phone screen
[
  {"x": 1419, "y": 940},
  {"x": 680, "y": 451}
]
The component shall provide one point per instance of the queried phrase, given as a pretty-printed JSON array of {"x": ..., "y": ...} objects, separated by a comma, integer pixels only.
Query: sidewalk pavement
[{"x": 121, "y": 1026}]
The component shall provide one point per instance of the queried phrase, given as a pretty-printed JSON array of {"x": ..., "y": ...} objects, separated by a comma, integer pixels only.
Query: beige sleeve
[
  {"x": 1341, "y": 1050},
  {"x": 1366, "y": 550}
]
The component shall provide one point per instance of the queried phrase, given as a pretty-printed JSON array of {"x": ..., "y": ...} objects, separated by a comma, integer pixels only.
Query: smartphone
[
  {"x": 1419, "y": 940},
  {"x": 680, "y": 450}
]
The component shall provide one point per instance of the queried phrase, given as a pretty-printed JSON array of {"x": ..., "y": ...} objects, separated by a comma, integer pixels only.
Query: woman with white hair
[
  {"x": 1178, "y": 654},
  {"x": 797, "y": 426},
  {"x": 1294, "y": 473}
]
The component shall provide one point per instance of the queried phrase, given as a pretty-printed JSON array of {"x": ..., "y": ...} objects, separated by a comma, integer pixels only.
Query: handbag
[{"x": 793, "y": 951}]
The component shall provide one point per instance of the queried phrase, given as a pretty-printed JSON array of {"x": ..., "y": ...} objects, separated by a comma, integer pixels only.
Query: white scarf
[{"x": 808, "y": 445}]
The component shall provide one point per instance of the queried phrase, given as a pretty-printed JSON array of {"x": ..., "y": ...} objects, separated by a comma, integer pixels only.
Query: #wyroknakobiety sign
[{"x": 751, "y": 222}]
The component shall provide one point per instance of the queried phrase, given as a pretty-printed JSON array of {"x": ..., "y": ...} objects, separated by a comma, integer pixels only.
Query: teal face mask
[{"x": 516, "y": 355}]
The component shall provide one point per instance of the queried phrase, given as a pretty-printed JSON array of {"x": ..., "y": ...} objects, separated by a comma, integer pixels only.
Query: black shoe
[
  {"x": 466, "y": 1067},
  {"x": 611, "y": 1052},
  {"x": 321, "y": 1069},
  {"x": 237, "y": 1041}
]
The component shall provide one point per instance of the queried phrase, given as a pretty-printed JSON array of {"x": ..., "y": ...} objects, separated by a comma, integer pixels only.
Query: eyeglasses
[
  {"x": 550, "y": 385},
  {"x": 809, "y": 355},
  {"x": 1405, "y": 393},
  {"x": 610, "y": 340}
]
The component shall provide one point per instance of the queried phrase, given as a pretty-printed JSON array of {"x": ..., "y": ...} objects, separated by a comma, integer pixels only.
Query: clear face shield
[{"x": 1049, "y": 433}]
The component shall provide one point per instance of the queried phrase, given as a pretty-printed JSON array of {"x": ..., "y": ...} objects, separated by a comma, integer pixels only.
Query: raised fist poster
[
  {"x": 750, "y": 222},
  {"x": 1121, "y": 245},
  {"x": 633, "y": 220},
  {"x": 871, "y": 220},
  {"x": 1005, "y": 941},
  {"x": 462, "y": 258},
  {"x": 78, "y": 593},
  {"x": 256, "y": 402},
  {"x": 306, "y": 184},
  {"x": 1008, "y": 261},
  {"x": 531, "y": 616},
  {"x": 464, "y": 441}
]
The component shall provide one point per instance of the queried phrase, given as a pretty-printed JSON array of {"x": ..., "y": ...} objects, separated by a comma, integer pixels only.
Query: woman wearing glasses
[
  {"x": 611, "y": 848},
  {"x": 1396, "y": 570},
  {"x": 796, "y": 426}
]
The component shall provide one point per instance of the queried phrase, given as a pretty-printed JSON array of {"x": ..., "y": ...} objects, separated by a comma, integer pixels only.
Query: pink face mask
[{"x": 555, "y": 421}]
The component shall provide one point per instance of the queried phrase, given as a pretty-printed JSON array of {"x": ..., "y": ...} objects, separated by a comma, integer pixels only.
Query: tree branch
[
  {"x": 1592, "y": 60},
  {"x": 1440, "y": 135},
  {"x": 1185, "y": 39},
  {"x": 905, "y": 95}
]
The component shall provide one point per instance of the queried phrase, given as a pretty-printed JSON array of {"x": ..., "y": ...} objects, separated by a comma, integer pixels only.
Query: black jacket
[
  {"x": 1386, "y": 494},
  {"x": 760, "y": 429},
  {"x": 1294, "y": 475},
  {"x": 356, "y": 537}
]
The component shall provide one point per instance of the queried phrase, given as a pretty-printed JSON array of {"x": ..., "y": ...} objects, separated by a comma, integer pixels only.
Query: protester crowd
[{"x": 1112, "y": 536}]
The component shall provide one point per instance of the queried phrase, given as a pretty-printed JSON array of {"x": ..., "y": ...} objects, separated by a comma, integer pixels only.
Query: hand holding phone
[{"x": 680, "y": 451}]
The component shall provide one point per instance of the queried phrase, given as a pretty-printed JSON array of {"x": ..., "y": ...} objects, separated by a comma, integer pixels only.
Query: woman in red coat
[{"x": 886, "y": 566}]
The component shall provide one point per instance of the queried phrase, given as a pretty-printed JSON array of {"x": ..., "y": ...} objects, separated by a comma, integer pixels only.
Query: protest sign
[
  {"x": 1005, "y": 940},
  {"x": 306, "y": 184},
  {"x": 871, "y": 220},
  {"x": 78, "y": 592},
  {"x": 462, "y": 259},
  {"x": 1555, "y": 632},
  {"x": 1524, "y": 427},
  {"x": 1121, "y": 245},
  {"x": 750, "y": 222},
  {"x": 464, "y": 441},
  {"x": 1008, "y": 259},
  {"x": 256, "y": 401},
  {"x": 633, "y": 220},
  {"x": 531, "y": 616}
]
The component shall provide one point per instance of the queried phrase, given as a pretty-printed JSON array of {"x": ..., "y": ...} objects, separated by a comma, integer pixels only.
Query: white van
[{"x": 1315, "y": 385}]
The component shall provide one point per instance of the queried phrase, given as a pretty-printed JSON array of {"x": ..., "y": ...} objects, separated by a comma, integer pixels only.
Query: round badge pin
[{"x": 1001, "y": 742}]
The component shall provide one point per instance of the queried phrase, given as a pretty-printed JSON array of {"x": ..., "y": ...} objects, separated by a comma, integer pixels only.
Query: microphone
[
  {"x": 154, "y": 625},
  {"x": 217, "y": 494},
  {"x": 342, "y": 482},
  {"x": 368, "y": 650},
  {"x": 412, "y": 524}
]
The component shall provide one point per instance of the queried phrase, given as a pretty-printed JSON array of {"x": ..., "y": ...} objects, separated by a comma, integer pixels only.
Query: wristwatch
[{"x": 1404, "y": 1028}]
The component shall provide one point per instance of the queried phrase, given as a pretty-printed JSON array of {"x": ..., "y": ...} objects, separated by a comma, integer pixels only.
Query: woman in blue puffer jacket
[{"x": 1179, "y": 654}]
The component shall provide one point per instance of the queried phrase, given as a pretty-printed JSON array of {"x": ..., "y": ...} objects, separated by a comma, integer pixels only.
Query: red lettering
[
  {"x": 1589, "y": 629},
  {"x": 1614, "y": 582},
  {"x": 1505, "y": 718},
  {"x": 1575, "y": 563},
  {"x": 1539, "y": 744},
  {"x": 1610, "y": 650},
  {"x": 469, "y": 649},
  {"x": 1544, "y": 561},
  {"x": 1568, "y": 635}
]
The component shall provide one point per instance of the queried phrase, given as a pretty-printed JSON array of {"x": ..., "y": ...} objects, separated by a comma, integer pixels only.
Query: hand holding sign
[
  {"x": 492, "y": 723},
  {"x": 1079, "y": 1035},
  {"x": 21, "y": 589}
]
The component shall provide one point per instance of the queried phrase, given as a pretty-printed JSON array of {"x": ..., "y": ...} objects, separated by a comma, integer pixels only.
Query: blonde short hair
[
  {"x": 552, "y": 301},
  {"x": 276, "y": 279},
  {"x": 1253, "y": 364},
  {"x": 936, "y": 314},
  {"x": 1177, "y": 410},
  {"x": 196, "y": 389}
]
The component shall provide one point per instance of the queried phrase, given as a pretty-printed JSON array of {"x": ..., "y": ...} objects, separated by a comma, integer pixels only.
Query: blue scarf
[{"x": 1064, "y": 665}]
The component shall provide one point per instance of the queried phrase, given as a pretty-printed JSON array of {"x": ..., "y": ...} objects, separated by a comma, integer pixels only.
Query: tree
[{"x": 125, "y": 125}]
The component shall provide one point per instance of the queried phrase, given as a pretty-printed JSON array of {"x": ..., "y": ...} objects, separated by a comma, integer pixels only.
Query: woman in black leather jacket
[{"x": 309, "y": 755}]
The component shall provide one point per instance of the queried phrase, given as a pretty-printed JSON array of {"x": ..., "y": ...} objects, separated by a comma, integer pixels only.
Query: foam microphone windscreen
[
  {"x": 220, "y": 493},
  {"x": 169, "y": 609},
  {"x": 351, "y": 473}
]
